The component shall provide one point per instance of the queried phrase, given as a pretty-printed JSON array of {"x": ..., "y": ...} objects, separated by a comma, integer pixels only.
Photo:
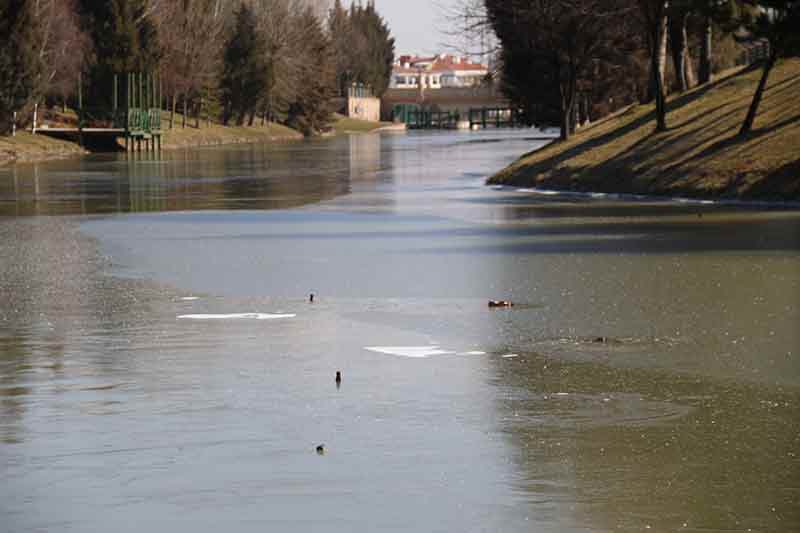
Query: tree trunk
[
  {"x": 751, "y": 113},
  {"x": 677, "y": 31},
  {"x": 185, "y": 111},
  {"x": 658, "y": 56},
  {"x": 659, "y": 59},
  {"x": 706, "y": 52},
  {"x": 198, "y": 112},
  {"x": 172, "y": 111},
  {"x": 567, "y": 110},
  {"x": 662, "y": 50},
  {"x": 691, "y": 76},
  {"x": 658, "y": 92}
]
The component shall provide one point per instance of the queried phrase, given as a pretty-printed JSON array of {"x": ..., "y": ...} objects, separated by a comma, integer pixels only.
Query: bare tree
[
  {"x": 654, "y": 14},
  {"x": 191, "y": 33},
  {"x": 62, "y": 47},
  {"x": 467, "y": 30}
]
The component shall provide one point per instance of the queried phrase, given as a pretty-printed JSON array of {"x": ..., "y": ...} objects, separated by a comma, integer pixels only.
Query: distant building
[{"x": 437, "y": 72}]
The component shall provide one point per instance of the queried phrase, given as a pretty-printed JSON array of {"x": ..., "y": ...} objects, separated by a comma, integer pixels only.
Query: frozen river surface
[{"x": 162, "y": 369}]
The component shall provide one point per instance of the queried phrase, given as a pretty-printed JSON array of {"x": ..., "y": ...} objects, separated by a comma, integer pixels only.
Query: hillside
[{"x": 699, "y": 156}]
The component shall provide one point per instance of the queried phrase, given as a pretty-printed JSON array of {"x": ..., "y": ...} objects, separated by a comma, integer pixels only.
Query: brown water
[{"x": 648, "y": 378}]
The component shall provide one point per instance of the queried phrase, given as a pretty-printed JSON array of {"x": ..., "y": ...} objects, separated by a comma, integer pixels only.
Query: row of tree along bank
[
  {"x": 566, "y": 61},
  {"x": 700, "y": 155},
  {"x": 239, "y": 62}
]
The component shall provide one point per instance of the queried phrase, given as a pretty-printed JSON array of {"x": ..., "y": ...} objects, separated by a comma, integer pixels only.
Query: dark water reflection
[
  {"x": 244, "y": 177},
  {"x": 647, "y": 379}
]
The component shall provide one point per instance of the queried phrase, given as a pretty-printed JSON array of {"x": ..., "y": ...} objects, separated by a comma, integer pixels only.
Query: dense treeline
[
  {"x": 239, "y": 61},
  {"x": 565, "y": 61},
  {"x": 363, "y": 46}
]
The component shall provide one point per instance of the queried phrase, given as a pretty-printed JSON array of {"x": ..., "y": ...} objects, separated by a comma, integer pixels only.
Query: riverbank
[
  {"x": 344, "y": 125},
  {"x": 700, "y": 156},
  {"x": 217, "y": 134},
  {"x": 28, "y": 148}
]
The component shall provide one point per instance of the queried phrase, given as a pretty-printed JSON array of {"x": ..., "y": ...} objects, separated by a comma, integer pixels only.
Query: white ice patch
[
  {"x": 239, "y": 316},
  {"x": 510, "y": 356},
  {"x": 190, "y": 298},
  {"x": 416, "y": 352}
]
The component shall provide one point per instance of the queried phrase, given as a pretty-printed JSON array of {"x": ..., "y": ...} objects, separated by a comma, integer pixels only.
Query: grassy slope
[
  {"x": 699, "y": 156},
  {"x": 343, "y": 125},
  {"x": 218, "y": 134},
  {"x": 27, "y": 147}
]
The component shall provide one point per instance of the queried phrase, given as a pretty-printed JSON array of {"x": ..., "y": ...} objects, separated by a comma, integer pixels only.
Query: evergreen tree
[
  {"x": 363, "y": 47},
  {"x": 124, "y": 39},
  {"x": 341, "y": 35},
  {"x": 312, "y": 108},
  {"x": 552, "y": 50},
  {"x": 20, "y": 67},
  {"x": 378, "y": 56},
  {"x": 245, "y": 69}
]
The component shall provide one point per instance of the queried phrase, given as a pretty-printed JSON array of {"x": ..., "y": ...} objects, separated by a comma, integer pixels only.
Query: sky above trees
[{"x": 415, "y": 24}]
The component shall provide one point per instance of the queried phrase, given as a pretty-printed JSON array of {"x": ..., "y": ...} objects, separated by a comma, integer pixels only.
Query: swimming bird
[
  {"x": 311, "y": 298},
  {"x": 338, "y": 379},
  {"x": 500, "y": 303},
  {"x": 321, "y": 449}
]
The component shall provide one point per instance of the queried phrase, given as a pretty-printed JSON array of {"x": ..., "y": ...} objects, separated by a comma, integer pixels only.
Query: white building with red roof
[{"x": 437, "y": 72}]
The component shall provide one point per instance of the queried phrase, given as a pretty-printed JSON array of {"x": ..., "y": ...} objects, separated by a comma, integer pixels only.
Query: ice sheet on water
[
  {"x": 416, "y": 352},
  {"x": 237, "y": 316}
]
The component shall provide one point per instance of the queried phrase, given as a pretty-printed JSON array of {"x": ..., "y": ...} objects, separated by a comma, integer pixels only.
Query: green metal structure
[{"x": 138, "y": 121}]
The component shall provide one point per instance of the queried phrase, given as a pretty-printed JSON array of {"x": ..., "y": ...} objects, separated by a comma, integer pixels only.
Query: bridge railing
[
  {"x": 143, "y": 121},
  {"x": 494, "y": 116},
  {"x": 421, "y": 119}
]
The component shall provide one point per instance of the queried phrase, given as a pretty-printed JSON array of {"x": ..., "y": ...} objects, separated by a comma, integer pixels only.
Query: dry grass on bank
[
  {"x": 700, "y": 155},
  {"x": 217, "y": 134},
  {"x": 26, "y": 147},
  {"x": 342, "y": 125}
]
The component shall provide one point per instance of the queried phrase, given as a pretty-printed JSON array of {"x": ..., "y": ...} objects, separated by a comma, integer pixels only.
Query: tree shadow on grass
[
  {"x": 733, "y": 140},
  {"x": 552, "y": 162},
  {"x": 784, "y": 183}
]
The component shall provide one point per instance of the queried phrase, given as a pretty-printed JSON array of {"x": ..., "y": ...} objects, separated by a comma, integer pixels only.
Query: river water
[{"x": 161, "y": 366}]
